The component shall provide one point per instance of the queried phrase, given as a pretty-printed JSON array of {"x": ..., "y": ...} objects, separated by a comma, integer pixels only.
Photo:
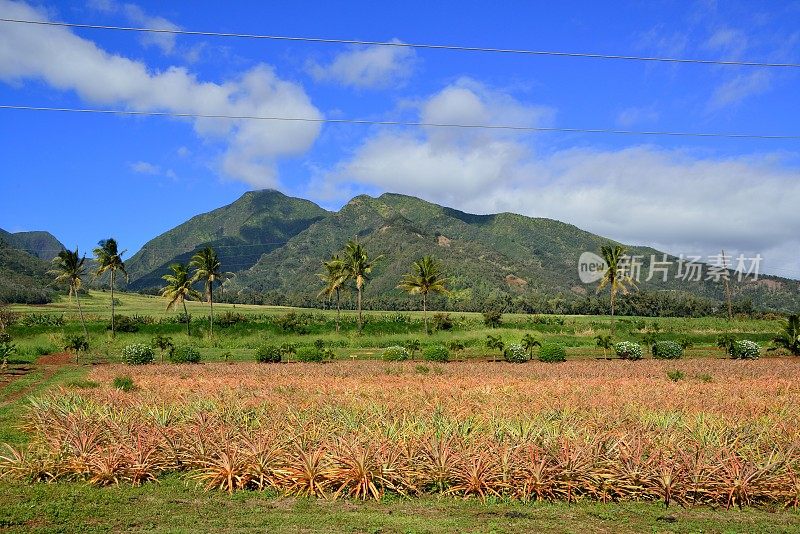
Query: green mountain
[
  {"x": 23, "y": 277},
  {"x": 506, "y": 260},
  {"x": 241, "y": 232},
  {"x": 43, "y": 245}
]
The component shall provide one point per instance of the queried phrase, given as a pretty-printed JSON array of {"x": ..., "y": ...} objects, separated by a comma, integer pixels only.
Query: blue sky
[{"x": 86, "y": 177}]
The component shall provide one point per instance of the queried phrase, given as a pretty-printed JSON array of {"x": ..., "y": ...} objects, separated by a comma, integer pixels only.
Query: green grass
[
  {"x": 382, "y": 329},
  {"x": 172, "y": 506},
  {"x": 13, "y": 397}
]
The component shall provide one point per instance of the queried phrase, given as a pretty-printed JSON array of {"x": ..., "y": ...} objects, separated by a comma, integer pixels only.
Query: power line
[
  {"x": 404, "y": 123},
  {"x": 396, "y": 44}
]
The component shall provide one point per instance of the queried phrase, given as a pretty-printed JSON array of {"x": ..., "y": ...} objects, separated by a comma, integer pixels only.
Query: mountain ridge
[{"x": 275, "y": 244}]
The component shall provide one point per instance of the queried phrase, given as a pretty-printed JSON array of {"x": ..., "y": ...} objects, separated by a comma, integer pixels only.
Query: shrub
[
  {"x": 185, "y": 354},
  {"x": 442, "y": 321},
  {"x": 493, "y": 318},
  {"x": 138, "y": 354},
  {"x": 41, "y": 319},
  {"x": 268, "y": 354},
  {"x": 310, "y": 355},
  {"x": 163, "y": 344},
  {"x": 725, "y": 342},
  {"x": 675, "y": 375},
  {"x": 396, "y": 353},
  {"x": 412, "y": 346},
  {"x": 704, "y": 377},
  {"x": 552, "y": 353},
  {"x": 7, "y": 348},
  {"x": 667, "y": 350},
  {"x": 124, "y": 383},
  {"x": 436, "y": 353},
  {"x": 514, "y": 353},
  {"x": 293, "y": 322},
  {"x": 123, "y": 323},
  {"x": 745, "y": 350},
  {"x": 628, "y": 350},
  {"x": 229, "y": 318}
]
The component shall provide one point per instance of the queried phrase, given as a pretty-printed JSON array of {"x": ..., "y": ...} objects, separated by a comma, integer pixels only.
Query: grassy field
[
  {"x": 473, "y": 446},
  {"x": 257, "y": 325}
]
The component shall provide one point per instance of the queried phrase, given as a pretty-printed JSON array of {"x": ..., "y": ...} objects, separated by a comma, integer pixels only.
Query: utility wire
[
  {"x": 408, "y": 45},
  {"x": 403, "y": 123}
]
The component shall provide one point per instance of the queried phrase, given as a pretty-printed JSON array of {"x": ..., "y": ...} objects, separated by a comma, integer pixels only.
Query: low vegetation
[{"x": 578, "y": 431}]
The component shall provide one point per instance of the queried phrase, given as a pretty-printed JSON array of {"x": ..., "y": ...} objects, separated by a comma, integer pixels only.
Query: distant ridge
[{"x": 276, "y": 243}]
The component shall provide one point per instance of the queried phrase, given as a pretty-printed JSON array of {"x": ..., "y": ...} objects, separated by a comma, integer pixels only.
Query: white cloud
[
  {"x": 183, "y": 151},
  {"x": 68, "y": 62},
  {"x": 164, "y": 41},
  {"x": 367, "y": 67},
  {"x": 151, "y": 169},
  {"x": 677, "y": 200},
  {"x": 136, "y": 15},
  {"x": 143, "y": 167},
  {"x": 450, "y": 163},
  {"x": 637, "y": 115},
  {"x": 735, "y": 90},
  {"x": 728, "y": 41}
]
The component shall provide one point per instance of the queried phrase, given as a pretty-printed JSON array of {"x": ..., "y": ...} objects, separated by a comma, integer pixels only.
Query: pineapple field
[{"x": 725, "y": 434}]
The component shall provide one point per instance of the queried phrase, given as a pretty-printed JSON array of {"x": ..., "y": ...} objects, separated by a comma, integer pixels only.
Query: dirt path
[{"x": 47, "y": 364}]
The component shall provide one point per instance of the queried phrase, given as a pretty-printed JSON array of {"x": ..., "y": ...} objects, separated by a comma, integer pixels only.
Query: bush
[
  {"x": 436, "y": 353},
  {"x": 310, "y": 355},
  {"x": 628, "y": 350},
  {"x": 515, "y": 354},
  {"x": 163, "y": 344},
  {"x": 75, "y": 344},
  {"x": 229, "y": 318},
  {"x": 124, "y": 383},
  {"x": 667, "y": 350},
  {"x": 123, "y": 323},
  {"x": 41, "y": 319},
  {"x": 185, "y": 354},
  {"x": 396, "y": 353},
  {"x": 268, "y": 354},
  {"x": 138, "y": 354},
  {"x": 675, "y": 375},
  {"x": 493, "y": 318},
  {"x": 442, "y": 321},
  {"x": 745, "y": 350},
  {"x": 552, "y": 353},
  {"x": 293, "y": 322}
]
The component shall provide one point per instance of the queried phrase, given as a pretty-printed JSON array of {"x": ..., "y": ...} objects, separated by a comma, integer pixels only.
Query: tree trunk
[
  {"x": 211, "y": 301},
  {"x": 425, "y": 311},
  {"x": 113, "y": 331},
  {"x": 360, "y": 323},
  {"x": 338, "y": 310},
  {"x": 80, "y": 312},
  {"x": 186, "y": 315},
  {"x": 613, "y": 294}
]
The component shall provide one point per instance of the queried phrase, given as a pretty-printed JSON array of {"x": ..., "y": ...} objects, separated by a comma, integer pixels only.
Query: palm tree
[
  {"x": 495, "y": 342},
  {"x": 109, "y": 259},
  {"x": 605, "y": 343},
  {"x": 613, "y": 277},
  {"x": 207, "y": 266},
  {"x": 528, "y": 342},
  {"x": 357, "y": 267},
  {"x": 69, "y": 268},
  {"x": 179, "y": 289},
  {"x": 425, "y": 277},
  {"x": 789, "y": 339},
  {"x": 334, "y": 278}
]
